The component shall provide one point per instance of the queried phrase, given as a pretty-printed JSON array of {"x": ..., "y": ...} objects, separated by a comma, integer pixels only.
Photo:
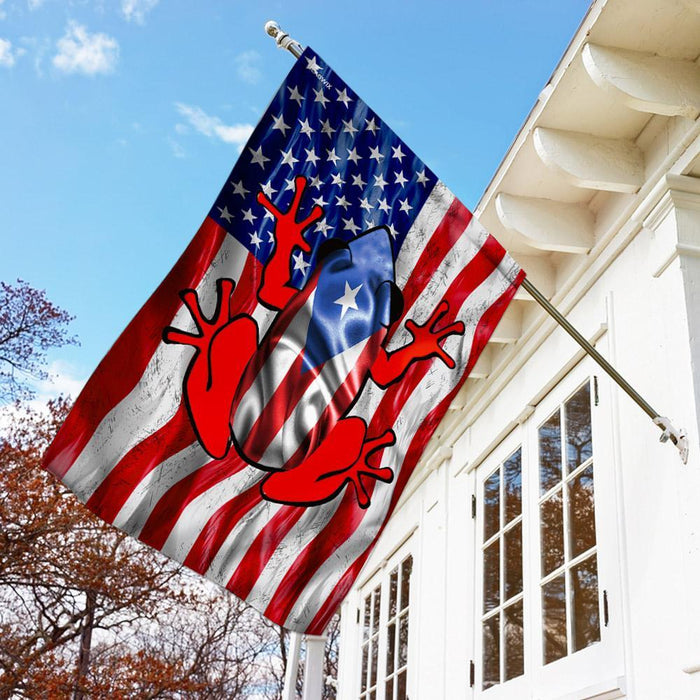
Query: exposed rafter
[
  {"x": 547, "y": 225},
  {"x": 540, "y": 272},
  {"x": 645, "y": 82},
  {"x": 509, "y": 328},
  {"x": 616, "y": 165}
]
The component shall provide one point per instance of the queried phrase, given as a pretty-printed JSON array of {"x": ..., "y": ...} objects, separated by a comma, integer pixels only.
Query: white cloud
[
  {"x": 7, "y": 55},
  {"x": 136, "y": 10},
  {"x": 247, "y": 66},
  {"x": 213, "y": 127},
  {"x": 82, "y": 52},
  {"x": 34, "y": 4},
  {"x": 176, "y": 148}
]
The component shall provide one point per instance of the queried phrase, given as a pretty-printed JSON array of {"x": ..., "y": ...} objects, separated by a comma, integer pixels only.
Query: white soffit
[{"x": 645, "y": 82}]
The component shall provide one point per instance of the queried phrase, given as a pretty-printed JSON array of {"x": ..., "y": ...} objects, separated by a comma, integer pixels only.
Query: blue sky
[{"x": 121, "y": 119}]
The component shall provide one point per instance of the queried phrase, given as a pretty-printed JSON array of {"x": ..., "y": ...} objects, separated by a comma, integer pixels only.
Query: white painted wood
[
  {"x": 547, "y": 225},
  {"x": 615, "y": 165},
  {"x": 482, "y": 367},
  {"x": 290, "y": 675},
  {"x": 540, "y": 272},
  {"x": 509, "y": 327},
  {"x": 645, "y": 82},
  {"x": 313, "y": 670}
]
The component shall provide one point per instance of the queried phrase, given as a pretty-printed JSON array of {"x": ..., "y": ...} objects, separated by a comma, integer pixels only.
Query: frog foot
[{"x": 363, "y": 467}]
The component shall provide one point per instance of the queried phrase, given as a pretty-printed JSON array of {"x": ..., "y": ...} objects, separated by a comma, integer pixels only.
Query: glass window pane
[
  {"x": 491, "y": 669},
  {"x": 584, "y": 608},
  {"x": 401, "y": 686},
  {"x": 393, "y": 589},
  {"x": 403, "y": 641},
  {"x": 375, "y": 612},
  {"x": 372, "y": 695},
  {"x": 389, "y": 694},
  {"x": 550, "y": 453},
  {"x": 365, "y": 653},
  {"x": 554, "y": 619},
  {"x": 366, "y": 618},
  {"x": 492, "y": 576},
  {"x": 492, "y": 504},
  {"x": 514, "y": 641},
  {"x": 406, "y": 568},
  {"x": 581, "y": 512},
  {"x": 390, "y": 646},
  {"x": 552, "y": 531},
  {"x": 513, "y": 486},
  {"x": 579, "y": 446},
  {"x": 373, "y": 668},
  {"x": 513, "y": 560}
]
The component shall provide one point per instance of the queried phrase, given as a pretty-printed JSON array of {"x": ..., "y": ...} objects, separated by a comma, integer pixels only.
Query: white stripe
[
  {"x": 156, "y": 397},
  {"x": 433, "y": 388},
  {"x": 144, "y": 498},
  {"x": 239, "y": 541}
]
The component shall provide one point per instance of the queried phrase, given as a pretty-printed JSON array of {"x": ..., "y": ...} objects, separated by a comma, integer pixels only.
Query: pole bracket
[
  {"x": 282, "y": 39},
  {"x": 677, "y": 437}
]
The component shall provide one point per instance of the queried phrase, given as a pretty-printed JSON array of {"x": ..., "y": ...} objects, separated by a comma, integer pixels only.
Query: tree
[{"x": 30, "y": 325}]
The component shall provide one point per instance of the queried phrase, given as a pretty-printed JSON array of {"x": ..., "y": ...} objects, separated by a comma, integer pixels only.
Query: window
[
  {"x": 546, "y": 540},
  {"x": 384, "y": 642}
]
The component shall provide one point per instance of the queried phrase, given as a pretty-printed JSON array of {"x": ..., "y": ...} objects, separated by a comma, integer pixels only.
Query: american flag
[{"x": 129, "y": 449}]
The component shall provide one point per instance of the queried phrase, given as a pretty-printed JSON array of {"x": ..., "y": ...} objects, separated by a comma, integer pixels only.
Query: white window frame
[{"x": 603, "y": 661}]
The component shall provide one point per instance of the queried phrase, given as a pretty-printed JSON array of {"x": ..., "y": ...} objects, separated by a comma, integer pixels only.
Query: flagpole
[{"x": 677, "y": 437}]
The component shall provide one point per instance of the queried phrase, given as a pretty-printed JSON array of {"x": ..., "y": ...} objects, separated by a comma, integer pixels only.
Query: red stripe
[
  {"x": 261, "y": 550},
  {"x": 348, "y": 515},
  {"x": 135, "y": 465},
  {"x": 132, "y": 351},
  {"x": 244, "y": 299},
  {"x": 172, "y": 504},
  {"x": 485, "y": 328},
  {"x": 448, "y": 232},
  {"x": 215, "y": 532}
]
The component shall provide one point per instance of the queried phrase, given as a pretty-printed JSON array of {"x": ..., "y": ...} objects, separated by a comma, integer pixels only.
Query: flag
[{"x": 259, "y": 418}]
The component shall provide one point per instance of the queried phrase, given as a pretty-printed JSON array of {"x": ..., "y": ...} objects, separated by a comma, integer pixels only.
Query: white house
[{"x": 548, "y": 546}]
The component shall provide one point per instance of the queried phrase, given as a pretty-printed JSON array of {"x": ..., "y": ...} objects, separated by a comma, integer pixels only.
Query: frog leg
[
  {"x": 342, "y": 458},
  {"x": 425, "y": 344},
  {"x": 223, "y": 346},
  {"x": 275, "y": 291}
]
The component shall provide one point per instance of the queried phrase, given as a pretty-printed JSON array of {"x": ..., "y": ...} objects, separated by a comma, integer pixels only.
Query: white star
[
  {"x": 279, "y": 124},
  {"x": 364, "y": 204},
  {"x": 312, "y": 65},
  {"x": 352, "y": 155},
  {"x": 343, "y": 96},
  {"x": 337, "y": 180},
  {"x": 288, "y": 158},
  {"x": 374, "y": 153},
  {"x": 225, "y": 214},
  {"x": 269, "y": 215},
  {"x": 323, "y": 227},
  {"x": 351, "y": 226},
  {"x": 249, "y": 216},
  {"x": 255, "y": 239},
  {"x": 379, "y": 181},
  {"x": 290, "y": 184},
  {"x": 270, "y": 236},
  {"x": 347, "y": 301},
  {"x": 268, "y": 189},
  {"x": 306, "y": 127},
  {"x": 342, "y": 202},
  {"x": 369, "y": 223},
  {"x": 400, "y": 179},
  {"x": 295, "y": 95},
  {"x": 316, "y": 182},
  {"x": 349, "y": 127},
  {"x": 397, "y": 153},
  {"x": 383, "y": 205},
  {"x": 422, "y": 177},
  {"x": 405, "y": 206},
  {"x": 320, "y": 97},
  {"x": 371, "y": 126},
  {"x": 332, "y": 155},
  {"x": 311, "y": 156},
  {"x": 300, "y": 263},
  {"x": 320, "y": 201},
  {"x": 392, "y": 231},
  {"x": 239, "y": 189},
  {"x": 326, "y": 128},
  {"x": 258, "y": 156},
  {"x": 357, "y": 180}
]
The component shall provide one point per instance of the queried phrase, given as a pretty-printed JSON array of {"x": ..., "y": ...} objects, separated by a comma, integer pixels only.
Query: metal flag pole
[{"x": 677, "y": 437}]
